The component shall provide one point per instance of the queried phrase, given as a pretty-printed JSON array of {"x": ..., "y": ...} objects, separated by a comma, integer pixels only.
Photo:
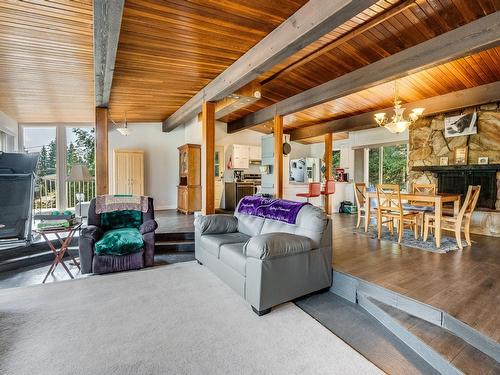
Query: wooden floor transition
[{"x": 465, "y": 284}]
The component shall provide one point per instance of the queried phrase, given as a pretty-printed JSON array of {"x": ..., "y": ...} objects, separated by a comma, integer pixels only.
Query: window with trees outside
[
  {"x": 388, "y": 165},
  {"x": 75, "y": 146}
]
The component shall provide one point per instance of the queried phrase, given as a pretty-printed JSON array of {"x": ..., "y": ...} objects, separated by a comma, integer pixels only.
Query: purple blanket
[{"x": 269, "y": 208}]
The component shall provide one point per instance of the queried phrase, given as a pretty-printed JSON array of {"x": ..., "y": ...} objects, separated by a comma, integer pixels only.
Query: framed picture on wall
[
  {"x": 456, "y": 126},
  {"x": 482, "y": 160},
  {"x": 443, "y": 160},
  {"x": 461, "y": 155}
]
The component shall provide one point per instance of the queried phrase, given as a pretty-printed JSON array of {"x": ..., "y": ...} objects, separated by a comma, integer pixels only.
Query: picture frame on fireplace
[
  {"x": 456, "y": 126},
  {"x": 482, "y": 160},
  {"x": 443, "y": 160},
  {"x": 461, "y": 154}
]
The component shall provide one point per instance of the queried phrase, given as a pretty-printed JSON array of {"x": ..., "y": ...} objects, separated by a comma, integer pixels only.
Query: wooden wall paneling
[
  {"x": 474, "y": 37},
  {"x": 328, "y": 167},
  {"x": 304, "y": 27},
  {"x": 101, "y": 151},
  {"x": 278, "y": 156},
  {"x": 208, "y": 158},
  {"x": 46, "y": 61}
]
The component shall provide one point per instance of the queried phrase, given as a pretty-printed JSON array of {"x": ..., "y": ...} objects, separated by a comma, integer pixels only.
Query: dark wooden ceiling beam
[
  {"x": 107, "y": 24},
  {"x": 312, "y": 21},
  {"x": 438, "y": 104},
  {"x": 465, "y": 40}
]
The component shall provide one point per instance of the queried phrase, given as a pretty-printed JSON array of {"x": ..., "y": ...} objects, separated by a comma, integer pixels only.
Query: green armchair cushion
[
  {"x": 120, "y": 241},
  {"x": 121, "y": 219}
]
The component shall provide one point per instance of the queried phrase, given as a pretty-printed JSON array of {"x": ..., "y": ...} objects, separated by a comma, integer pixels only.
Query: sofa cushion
[
  {"x": 311, "y": 222},
  {"x": 121, "y": 241},
  {"x": 212, "y": 242},
  {"x": 248, "y": 224},
  {"x": 275, "y": 245},
  {"x": 232, "y": 256},
  {"x": 216, "y": 224},
  {"x": 121, "y": 219}
]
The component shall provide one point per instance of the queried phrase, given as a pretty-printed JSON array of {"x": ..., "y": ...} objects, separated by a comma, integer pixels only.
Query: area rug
[
  {"x": 175, "y": 319},
  {"x": 447, "y": 243}
]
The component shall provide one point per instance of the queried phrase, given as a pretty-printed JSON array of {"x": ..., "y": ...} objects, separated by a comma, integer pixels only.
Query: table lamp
[{"x": 78, "y": 173}]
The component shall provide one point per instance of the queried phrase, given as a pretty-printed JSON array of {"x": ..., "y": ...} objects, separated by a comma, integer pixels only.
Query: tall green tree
[
  {"x": 72, "y": 156},
  {"x": 85, "y": 144},
  {"x": 42, "y": 165},
  {"x": 51, "y": 157}
]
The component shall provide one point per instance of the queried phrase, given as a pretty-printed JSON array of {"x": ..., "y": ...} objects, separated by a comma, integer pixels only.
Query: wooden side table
[{"x": 59, "y": 252}]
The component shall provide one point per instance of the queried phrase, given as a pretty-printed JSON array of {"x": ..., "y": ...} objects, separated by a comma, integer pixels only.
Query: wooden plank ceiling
[
  {"x": 410, "y": 23},
  {"x": 169, "y": 50},
  {"x": 46, "y": 60}
]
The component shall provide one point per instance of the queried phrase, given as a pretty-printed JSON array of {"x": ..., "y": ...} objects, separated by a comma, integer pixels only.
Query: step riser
[
  {"x": 169, "y": 248},
  {"x": 34, "y": 260},
  {"x": 348, "y": 287},
  {"x": 412, "y": 341},
  {"x": 181, "y": 236}
]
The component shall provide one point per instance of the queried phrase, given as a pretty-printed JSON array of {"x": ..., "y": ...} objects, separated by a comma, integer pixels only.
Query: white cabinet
[
  {"x": 241, "y": 157},
  {"x": 254, "y": 152}
]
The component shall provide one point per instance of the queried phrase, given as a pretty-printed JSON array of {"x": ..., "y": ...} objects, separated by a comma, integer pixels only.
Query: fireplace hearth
[{"x": 456, "y": 179}]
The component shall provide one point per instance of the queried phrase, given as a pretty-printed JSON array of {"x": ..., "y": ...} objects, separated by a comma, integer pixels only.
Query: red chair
[
  {"x": 329, "y": 190},
  {"x": 329, "y": 187},
  {"x": 314, "y": 191}
]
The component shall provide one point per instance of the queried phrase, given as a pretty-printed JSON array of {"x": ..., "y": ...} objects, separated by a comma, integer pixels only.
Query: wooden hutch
[{"x": 189, "y": 188}]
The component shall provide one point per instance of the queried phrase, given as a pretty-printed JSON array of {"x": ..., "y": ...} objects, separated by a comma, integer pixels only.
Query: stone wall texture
[{"x": 428, "y": 144}]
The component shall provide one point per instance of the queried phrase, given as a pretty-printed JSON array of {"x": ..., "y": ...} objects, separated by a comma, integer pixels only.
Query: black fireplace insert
[{"x": 456, "y": 179}]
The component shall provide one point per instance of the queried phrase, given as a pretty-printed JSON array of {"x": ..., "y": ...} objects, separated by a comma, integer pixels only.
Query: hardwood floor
[{"x": 466, "y": 283}]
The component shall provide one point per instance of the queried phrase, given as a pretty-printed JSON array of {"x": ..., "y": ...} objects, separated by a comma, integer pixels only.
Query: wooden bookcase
[{"x": 189, "y": 188}]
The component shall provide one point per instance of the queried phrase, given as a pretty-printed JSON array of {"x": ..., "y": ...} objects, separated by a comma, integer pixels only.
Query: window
[
  {"x": 336, "y": 159},
  {"x": 373, "y": 166},
  {"x": 60, "y": 147},
  {"x": 80, "y": 150},
  {"x": 388, "y": 165},
  {"x": 43, "y": 141}
]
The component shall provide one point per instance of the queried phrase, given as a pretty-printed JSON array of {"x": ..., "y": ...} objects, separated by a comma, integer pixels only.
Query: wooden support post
[
  {"x": 278, "y": 156},
  {"x": 101, "y": 151},
  {"x": 208, "y": 158},
  {"x": 328, "y": 167}
]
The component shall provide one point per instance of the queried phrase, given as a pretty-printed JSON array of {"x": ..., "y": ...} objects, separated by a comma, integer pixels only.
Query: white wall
[
  {"x": 161, "y": 159},
  {"x": 9, "y": 126}
]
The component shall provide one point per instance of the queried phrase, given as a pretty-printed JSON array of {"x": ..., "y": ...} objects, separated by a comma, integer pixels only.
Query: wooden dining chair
[
  {"x": 458, "y": 223},
  {"x": 422, "y": 207},
  {"x": 389, "y": 207},
  {"x": 360, "y": 196}
]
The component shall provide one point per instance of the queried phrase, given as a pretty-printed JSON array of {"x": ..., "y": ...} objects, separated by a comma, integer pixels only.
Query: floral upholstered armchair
[{"x": 118, "y": 240}]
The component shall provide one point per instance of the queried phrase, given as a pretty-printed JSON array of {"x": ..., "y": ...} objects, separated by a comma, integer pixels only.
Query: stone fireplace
[{"x": 428, "y": 145}]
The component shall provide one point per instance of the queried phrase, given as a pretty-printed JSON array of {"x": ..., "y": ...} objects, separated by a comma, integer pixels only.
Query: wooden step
[
  {"x": 162, "y": 247},
  {"x": 453, "y": 350},
  {"x": 31, "y": 259},
  {"x": 174, "y": 236}
]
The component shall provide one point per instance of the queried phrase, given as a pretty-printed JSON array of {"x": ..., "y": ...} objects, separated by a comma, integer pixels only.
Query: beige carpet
[{"x": 176, "y": 319}]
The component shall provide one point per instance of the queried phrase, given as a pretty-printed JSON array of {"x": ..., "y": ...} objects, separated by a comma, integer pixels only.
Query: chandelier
[{"x": 398, "y": 123}]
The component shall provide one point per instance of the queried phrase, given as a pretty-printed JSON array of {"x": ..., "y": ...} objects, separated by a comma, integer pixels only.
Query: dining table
[{"x": 436, "y": 200}]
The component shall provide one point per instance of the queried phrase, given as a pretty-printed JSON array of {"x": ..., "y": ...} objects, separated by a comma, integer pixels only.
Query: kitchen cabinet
[
  {"x": 128, "y": 172},
  {"x": 254, "y": 152},
  {"x": 241, "y": 157}
]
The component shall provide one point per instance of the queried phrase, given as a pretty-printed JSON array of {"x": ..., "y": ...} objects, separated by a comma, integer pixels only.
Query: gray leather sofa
[{"x": 266, "y": 261}]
